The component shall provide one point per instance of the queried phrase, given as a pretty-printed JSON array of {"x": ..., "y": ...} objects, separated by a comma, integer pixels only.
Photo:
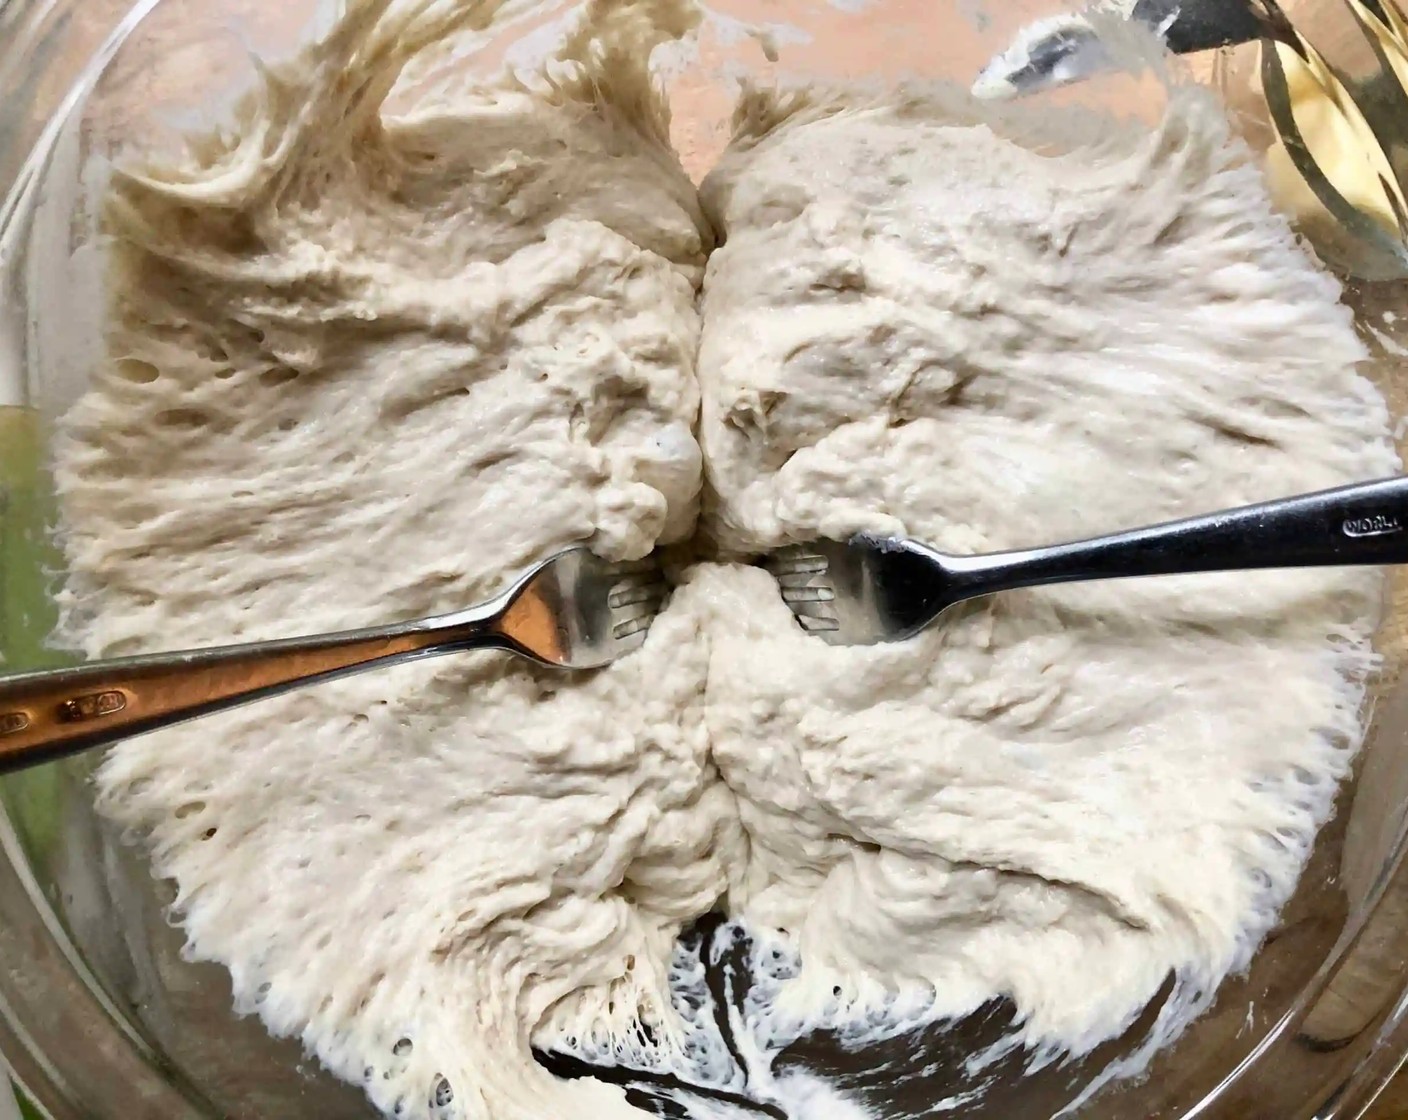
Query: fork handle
[
  {"x": 50, "y": 714},
  {"x": 1366, "y": 523}
]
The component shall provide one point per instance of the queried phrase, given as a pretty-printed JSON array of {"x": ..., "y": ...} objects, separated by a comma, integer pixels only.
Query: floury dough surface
[{"x": 368, "y": 365}]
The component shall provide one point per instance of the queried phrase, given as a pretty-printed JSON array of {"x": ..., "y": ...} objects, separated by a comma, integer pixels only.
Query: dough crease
[{"x": 395, "y": 334}]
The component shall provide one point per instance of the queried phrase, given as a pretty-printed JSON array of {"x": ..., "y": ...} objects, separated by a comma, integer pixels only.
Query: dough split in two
[{"x": 369, "y": 363}]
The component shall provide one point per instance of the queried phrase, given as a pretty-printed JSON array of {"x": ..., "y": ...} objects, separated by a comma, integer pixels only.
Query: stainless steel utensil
[
  {"x": 574, "y": 611},
  {"x": 1062, "y": 49},
  {"x": 871, "y": 589}
]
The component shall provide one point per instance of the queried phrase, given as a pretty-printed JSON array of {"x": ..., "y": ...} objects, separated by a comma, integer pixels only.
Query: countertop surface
[{"x": 1394, "y": 1103}]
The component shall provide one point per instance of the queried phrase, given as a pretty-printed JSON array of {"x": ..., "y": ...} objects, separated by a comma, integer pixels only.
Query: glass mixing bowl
[{"x": 100, "y": 1015}]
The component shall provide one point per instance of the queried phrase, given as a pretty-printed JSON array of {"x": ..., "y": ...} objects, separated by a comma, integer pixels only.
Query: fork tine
[
  {"x": 630, "y": 592},
  {"x": 803, "y": 579},
  {"x": 636, "y": 599},
  {"x": 802, "y": 575},
  {"x": 811, "y": 610},
  {"x": 804, "y": 563},
  {"x": 644, "y": 608},
  {"x": 864, "y": 590},
  {"x": 632, "y": 626},
  {"x": 792, "y": 594}
]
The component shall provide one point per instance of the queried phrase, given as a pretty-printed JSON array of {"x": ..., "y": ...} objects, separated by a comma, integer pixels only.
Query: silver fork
[
  {"x": 573, "y": 611},
  {"x": 871, "y": 589}
]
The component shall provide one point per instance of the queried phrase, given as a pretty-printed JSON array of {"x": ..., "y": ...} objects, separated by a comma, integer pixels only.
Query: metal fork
[
  {"x": 573, "y": 611},
  {"x": 871, "y": 589}
]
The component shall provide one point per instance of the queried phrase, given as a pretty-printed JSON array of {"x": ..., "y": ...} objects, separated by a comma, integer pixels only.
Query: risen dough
[
  {"x": 369, "y": 365},
  {"x": 921, "y": 328}
]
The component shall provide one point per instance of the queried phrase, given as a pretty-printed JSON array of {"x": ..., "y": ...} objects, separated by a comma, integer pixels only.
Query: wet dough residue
[{"x": 369, "y": 362}]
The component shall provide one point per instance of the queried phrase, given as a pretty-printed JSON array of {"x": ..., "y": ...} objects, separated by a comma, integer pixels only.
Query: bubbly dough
[
  {"x": 369, "y": 364},
  {"x": 918, "y": 327},
  {"x": 367, "y": 367}
]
